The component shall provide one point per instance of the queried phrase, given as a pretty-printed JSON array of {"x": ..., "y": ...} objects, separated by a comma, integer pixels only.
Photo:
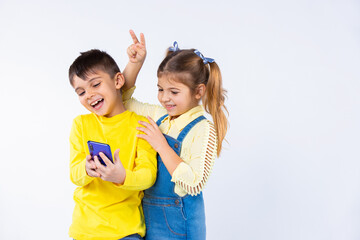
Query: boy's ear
[
  {"x": 200, "y": 91},
  {"x": 119, "y": 80}
]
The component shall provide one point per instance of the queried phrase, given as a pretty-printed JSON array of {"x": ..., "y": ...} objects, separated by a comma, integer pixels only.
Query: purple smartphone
[{"x": 95, "y": 148}]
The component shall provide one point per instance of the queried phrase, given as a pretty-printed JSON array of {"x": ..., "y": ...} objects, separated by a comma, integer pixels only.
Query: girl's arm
[
  {"x": 191, "y": 172},
  {"x": 137, "y": 55},
  {"x": 143, "y": 109},
  {"x": 154, "y": 136},
  {"x": 199, "y": 150}
]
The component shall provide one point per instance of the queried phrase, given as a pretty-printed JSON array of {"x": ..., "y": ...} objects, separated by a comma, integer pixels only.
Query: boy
[{"x": 108, "y": 198}]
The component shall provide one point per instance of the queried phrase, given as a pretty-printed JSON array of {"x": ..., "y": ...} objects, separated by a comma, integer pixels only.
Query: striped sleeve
[{"x": 198, "y": 154}]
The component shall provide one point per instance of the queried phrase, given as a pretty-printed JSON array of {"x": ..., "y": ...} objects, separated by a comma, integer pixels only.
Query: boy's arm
[
  {"x": 137, "y": 55},
  {"x": 143, "y": 175},
  {"x": 78, "y": 173}
]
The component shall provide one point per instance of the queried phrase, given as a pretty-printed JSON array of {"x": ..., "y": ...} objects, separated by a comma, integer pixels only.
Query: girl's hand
[
  {"x": 137, "y": 50},
  {"x": 152, "y": 134},
  {"x": 90, "y": 167},
  {"x": 112, "y": 172}
]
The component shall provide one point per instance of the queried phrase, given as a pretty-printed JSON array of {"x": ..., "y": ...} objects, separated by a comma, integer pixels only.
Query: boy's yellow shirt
[{"x": 104, "y": 210}]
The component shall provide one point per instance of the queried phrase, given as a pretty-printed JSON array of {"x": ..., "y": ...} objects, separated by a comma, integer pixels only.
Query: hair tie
[
  {"x": 175, "y": 48},
  {"x": 205, "y": 59}
]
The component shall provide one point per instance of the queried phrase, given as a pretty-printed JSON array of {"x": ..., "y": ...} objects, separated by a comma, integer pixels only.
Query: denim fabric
[{"x": 168, "y": 216}]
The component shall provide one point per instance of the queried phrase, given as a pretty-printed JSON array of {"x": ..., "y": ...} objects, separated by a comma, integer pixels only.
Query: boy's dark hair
[{"x": 91, "y": 61}]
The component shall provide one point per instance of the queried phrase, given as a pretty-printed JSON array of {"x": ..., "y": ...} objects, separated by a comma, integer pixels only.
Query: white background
[{"x": 291, "y": 167}]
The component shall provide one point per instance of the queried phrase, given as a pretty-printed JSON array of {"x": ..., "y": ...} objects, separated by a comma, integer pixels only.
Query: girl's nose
[{"x": 164, "y": 97}]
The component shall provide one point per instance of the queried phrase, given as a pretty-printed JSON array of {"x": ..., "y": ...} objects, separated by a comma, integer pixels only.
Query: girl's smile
[{"x": 169, "y": 107}]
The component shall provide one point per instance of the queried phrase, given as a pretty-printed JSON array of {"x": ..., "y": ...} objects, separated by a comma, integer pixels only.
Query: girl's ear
[
  {"x": 119, "y": 80},
  {"x": 200, "y": 91}
]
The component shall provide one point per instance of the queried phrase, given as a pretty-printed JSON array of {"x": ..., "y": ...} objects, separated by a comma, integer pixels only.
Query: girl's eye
[
  {"x": 96, "y": 85},
  {"x": 174, "y": 92},
  {"x": 160, "y": 90},
  {"x": 81, "y": 94}
]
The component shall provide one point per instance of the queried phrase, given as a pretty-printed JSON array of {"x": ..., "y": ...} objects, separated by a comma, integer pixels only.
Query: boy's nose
[{"x": 89, "y": 95}]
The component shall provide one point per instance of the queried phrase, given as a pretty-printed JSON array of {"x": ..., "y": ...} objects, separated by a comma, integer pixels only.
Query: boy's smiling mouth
[{"x": 97, "y": 104}]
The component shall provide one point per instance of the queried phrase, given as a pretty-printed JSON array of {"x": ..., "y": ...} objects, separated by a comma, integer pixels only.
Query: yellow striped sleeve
[{"x": 198, "y": 155}]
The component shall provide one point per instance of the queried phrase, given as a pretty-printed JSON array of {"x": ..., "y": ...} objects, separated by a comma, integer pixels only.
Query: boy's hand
[
  {"x": 153, "y": 134},
  {"x": 112, "y": 172},
  {"x": 137, "y": 50},
  {"x": 90, "y": 167}
]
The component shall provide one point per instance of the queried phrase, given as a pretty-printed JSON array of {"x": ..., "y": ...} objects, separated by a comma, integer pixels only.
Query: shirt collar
[
  {"x": 115, "y": 119},
  {"x": 185, "y": 118}
]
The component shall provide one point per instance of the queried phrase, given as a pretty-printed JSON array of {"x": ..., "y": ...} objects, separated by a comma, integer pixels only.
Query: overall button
[
  {"x": 177, "y": 202},
  {"x": 176, "y": 145}
]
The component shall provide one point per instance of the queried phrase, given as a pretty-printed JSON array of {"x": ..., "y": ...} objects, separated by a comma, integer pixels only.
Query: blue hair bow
[
  {"x": 175, "y": 48},
  {"x": 205, "y": 59}
]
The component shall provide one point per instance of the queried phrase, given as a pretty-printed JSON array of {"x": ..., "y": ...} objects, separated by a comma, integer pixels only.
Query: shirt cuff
[
  {"x": 184, "y": 173},
  {"x": 86, "y": 178}
]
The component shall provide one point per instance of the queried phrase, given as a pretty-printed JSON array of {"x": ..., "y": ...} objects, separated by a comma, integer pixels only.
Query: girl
[{"x": 186, "y": 142}]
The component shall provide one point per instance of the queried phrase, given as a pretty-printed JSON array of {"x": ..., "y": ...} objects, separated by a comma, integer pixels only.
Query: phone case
[{"x": 95, "y": 148}]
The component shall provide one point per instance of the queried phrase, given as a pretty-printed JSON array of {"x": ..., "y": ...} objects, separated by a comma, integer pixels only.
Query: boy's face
[{"x": 99, "y": 93}]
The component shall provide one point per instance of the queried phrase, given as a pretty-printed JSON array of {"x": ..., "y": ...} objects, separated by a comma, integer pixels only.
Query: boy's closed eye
[
  {"x": 80, "y": 92},
  {"x": 96, "y": 84}
]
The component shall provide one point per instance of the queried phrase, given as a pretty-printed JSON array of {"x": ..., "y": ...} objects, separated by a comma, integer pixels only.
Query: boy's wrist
[{"x": 121, "y": 180}]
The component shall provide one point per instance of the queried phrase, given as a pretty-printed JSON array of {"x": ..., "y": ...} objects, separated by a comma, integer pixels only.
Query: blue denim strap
[
  {"x": 158, "y": 122},
  {"x": 188, "y": 127}
]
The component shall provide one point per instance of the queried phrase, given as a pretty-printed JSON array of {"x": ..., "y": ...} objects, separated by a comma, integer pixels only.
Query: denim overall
[{"x": 168, "y": 216}]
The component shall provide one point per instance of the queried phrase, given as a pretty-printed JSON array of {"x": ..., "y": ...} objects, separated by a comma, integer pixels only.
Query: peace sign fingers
[
  {"x": 133, "y": 36},
  {"x": 137, "y": 50}
]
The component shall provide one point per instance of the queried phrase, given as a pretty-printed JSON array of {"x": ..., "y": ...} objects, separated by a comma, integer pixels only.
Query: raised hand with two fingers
[{"x": 137, "y": 50}]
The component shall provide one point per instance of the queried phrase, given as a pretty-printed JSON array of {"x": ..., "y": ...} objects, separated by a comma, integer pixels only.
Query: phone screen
[{"x": 95, "y": 148}]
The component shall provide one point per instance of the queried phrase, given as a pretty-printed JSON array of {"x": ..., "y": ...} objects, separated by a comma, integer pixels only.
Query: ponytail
[
  {"x": 213, "y": 102},
  {"x": 192, "y": 68}
]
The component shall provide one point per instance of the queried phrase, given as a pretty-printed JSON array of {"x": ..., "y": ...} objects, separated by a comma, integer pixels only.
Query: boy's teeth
[{"x": 96, "y": 102}]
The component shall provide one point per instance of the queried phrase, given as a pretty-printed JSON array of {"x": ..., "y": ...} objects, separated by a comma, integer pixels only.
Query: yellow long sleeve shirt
[
  {"x": 198, "y": 150},
  {"x": 104, "y": 210}
]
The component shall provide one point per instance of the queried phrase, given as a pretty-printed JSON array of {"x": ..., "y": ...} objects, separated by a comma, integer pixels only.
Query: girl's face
[
  {"x": 99, "y": 93},
  {"x": 176, "y": 97}
]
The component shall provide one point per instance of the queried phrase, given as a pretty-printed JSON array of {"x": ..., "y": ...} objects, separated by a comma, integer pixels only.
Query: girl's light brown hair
[{"x": 188, "y": 68}]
